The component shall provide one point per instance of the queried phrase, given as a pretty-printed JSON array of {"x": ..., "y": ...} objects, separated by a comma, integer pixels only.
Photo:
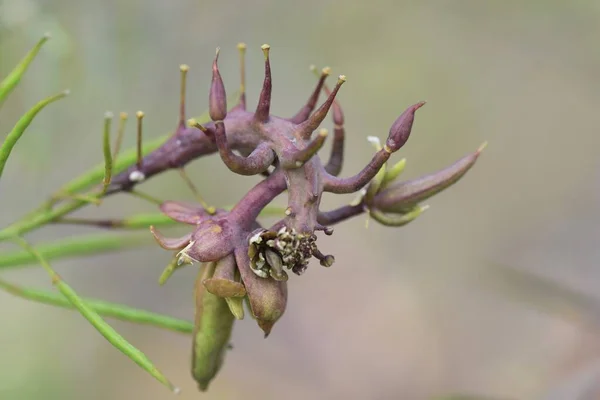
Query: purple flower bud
[
  {"x": 400, "y": 130},
  {"x": 217, "y": 99}
]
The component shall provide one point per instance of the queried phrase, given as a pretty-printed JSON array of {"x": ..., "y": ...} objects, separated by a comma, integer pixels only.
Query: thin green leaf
[
  {"x": 14, "y": 77},
  {"x": 21, "y": 125},
  {"x": 96, "y": 320},
  {"x": 108, "y": 160},
  {"x": 75, "y": 246},
  {"x": 104, "y": 308}
]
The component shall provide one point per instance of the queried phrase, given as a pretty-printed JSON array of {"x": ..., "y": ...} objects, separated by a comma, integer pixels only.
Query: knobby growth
[{"x": 242, "y": 260}]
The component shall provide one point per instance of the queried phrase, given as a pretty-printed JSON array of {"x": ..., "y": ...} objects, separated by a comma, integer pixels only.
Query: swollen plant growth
[{"x": 239, "y": 260}]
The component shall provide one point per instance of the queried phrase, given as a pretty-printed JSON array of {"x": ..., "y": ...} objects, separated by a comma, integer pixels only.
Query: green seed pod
[{"x": 212, "y": 330}]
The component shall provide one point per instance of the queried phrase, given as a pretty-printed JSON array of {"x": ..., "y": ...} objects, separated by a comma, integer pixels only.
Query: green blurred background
[{"x": 405, "y": 313}]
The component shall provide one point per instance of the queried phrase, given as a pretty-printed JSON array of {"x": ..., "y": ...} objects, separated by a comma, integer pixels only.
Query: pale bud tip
[
  {"x": 312, "y": 67},
  {"x": 241, "y": 46},
  {"x": 217, "y": 51},
  {"x": 192, "y": 122},
  {"x": 424, "y": 208},
  {"x": 47, "y": 35},
  {"x": 139, "y": 114},
  {"x": 123, "y": 115},
  {"x": 265, "y": 49},
  {"x": 326, "y": 71},
  {"x": 66, "y": 92},
  {"x": 176, "y": 390},
  {"x": 483, "y": 146},
  {"x": 341, "y": 79},
  {"x": 323, "y": 132},
  {"x": 184, "y": 68},
  {"x": 108, "y": 115}
]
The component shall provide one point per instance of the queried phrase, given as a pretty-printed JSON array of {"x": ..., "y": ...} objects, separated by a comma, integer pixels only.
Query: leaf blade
[
  {"x": 15, "y": 134},
  {"x": 107, "y": 331}
]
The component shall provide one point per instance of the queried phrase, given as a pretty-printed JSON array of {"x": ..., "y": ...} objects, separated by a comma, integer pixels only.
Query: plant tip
[
  {"x": 123, "y": 115},
  {"x": 326, "y": 71},
  {"x": 341, "y": 78},
  {"x": 312, "y": 67},
  {"x": 323, "y": 132},
  {"x": 66, "y": 92},
  {"x": 47, "y": 35},
  {"x": 108, "y": 115},
  {"x": 139, "y": 114},
  {"x": 176, "y": 390},
  {"x": 184, "y": 68},
  {"x": 241, "y": 46},
  {"x": 483, "y": 146}
]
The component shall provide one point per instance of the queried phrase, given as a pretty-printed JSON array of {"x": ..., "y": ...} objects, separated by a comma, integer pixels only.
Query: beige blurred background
[{"x": 405, "y": 313}]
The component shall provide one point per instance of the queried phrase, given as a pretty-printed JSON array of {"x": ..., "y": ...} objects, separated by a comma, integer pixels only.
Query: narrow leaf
[
  {"x": 108, "y": 161},
  {"x": 14, "y": 77},
  {"x": 21, "y": 125},
  {"x": 96, "y": 320}
]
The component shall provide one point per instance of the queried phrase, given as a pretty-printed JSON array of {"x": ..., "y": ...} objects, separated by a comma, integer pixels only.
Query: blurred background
[{"x": 493, "y": 291}]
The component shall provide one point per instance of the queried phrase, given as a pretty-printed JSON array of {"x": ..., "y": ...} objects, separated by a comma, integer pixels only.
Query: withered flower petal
[
  {"x": 223, "y": 283},
  {"x": 183, "y": 212},
  {"x": 170, "y": 243}
]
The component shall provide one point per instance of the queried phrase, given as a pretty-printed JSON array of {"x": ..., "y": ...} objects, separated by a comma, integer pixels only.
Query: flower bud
[
  {"x": 217, "y": 99},
  {"x": 400, "y": 130}
]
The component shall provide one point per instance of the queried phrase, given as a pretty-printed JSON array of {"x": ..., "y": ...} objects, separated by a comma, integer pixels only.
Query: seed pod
[
  {"x": 212, "y": 330},
  {"x": 223, "y": 282},
  {"x": 267, "y": 297},
  {"x": 402, "y": 196}
]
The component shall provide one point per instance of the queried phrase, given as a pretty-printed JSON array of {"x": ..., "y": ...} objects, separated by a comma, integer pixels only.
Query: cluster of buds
[{"x": 240, "y": 258}]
